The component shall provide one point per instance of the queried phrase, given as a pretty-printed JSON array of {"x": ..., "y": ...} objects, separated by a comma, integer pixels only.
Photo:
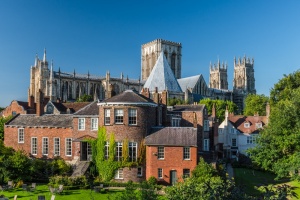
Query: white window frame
[
  {"x": 21, "y": 135},
  {"x": 160, "y": 173},
  {"x": 160, "y": 152},
  {"x": 119, "y": 174},
  {"x": 119, "y": 116},
  {"x": 68, "y": 146},
  {"x": 186, "y": 175},
  {"x": 45, "y": 145},
  {"x": 94, "y": 124},
  {"x": 106, "y": 116},
  {"x": 258, "y": 125},
  {"x": 251, "y": 139},
  {"x": 206, "y": 145},
  {"x": 34, "y": 148},
  {"x": 106, "y": 151},
  {"x": 176, "y": 121},
  {"x": 186, "y": 153},
  {"x": 81, "y": 124},
  {"x": 247, "y": 125},
  {"x": 132, "y": 150},
  {"x": 56, "y": 146},
  {"x": 139, "y": 171},
  {"x": 132, "y": 116},
  {"x": 119, "y": 151}
]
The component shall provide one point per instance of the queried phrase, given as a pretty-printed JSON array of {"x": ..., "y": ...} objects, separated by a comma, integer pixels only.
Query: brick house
[{"x": 16, "y": 107}]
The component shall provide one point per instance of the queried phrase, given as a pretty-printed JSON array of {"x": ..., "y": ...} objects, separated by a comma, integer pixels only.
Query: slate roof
[
  {"x": 128, "y": 96},
  {"x": 23, "y": 104},
  {"x": 172, "y": 136},
  {"x": 181, "y": 108},
  {"x": 73, "y": 106},
  {"x": 42, "y": 121},
  {"x": 90, "y": 109},
  {"x": 162, "y": 77},
  {"x": 238, "y": 122},
  {"x": 188, "y": 82}
]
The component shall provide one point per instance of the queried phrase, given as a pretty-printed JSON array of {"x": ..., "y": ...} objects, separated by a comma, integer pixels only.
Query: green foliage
[
  {"x": 2, "y": 122},
  {"x": 125, "y": 153},
  {"x": 1, "y": 109},
  {"x": 68, "y": 181},
  {"x": 279, "y": 143},
  {"x": 84, "y": 98},
  {"x": 220, "y": 106},
  {"x": 175, "y": 101},
  {"x": 255, "y": 104}
]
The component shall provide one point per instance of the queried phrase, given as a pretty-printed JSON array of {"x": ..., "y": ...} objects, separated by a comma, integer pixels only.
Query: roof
[
  {"x": 172, "y": 136},
  {"x": 90, "y": 109},
  {"x": 181, "y": 108},
  {"x": 23, "y": 104},
  {"x": 162, "y": 77},
  {"x": 64, "y": 121},
  {"x": 128, "y": 97},
  {"x": 75, "y": 106},
  {"x": 238, "y": 122},
  {"x": 188, "y": 82}
]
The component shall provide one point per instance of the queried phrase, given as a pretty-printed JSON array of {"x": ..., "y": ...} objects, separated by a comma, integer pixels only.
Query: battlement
[
  {"x": 163, "y": 42},
  {"x": 243, "y": 61},
  {"x": 219, "y": 67}
]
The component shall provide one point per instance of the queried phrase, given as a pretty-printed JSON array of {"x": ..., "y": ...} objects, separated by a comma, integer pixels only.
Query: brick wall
[
  {"x": 11, "y": 139},
  {"x": 13, "y": 107},
  {"x": 173, "y": 160}
]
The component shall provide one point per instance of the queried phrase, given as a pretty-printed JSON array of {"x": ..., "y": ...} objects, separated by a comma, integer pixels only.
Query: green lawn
[
  {"x": 250, "y": 180},
  {"x": 66, "y": 195}
]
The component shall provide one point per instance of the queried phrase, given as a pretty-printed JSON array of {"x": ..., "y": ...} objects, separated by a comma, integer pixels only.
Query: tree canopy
[
  {"x": 2, "y": 122},
  {"x": 220, "y": 106},
  {"x": 255, "y": 103},
  {"x": 278, "y": 148},
  {"x": 85, "y": 98}
]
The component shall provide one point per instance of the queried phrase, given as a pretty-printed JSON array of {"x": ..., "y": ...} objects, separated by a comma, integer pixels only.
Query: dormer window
[
  {"x": 247, "y": 125},
  {"x": 258, "y": 125}
]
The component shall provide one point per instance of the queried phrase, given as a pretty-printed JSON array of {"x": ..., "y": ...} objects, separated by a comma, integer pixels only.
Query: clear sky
[{"x": 100, "y": 36}]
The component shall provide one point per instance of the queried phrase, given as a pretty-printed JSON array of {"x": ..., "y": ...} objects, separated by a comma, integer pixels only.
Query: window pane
[
  {"x": 160, "y": 173},
  {"x": 21, "y": 135},
  {"x": 34, "y": 146},
  {"x": 94, "y": 124},
  {"x": 68, "y": 147},
  {"x": 132, "y": 116},
  {"x": 81, "y": 123},
  {"x": 56, "y": 146},
  {"x": 132, "y": 151},
  {"x": 119, "y": 148},
  {"x": 45, "y": 146},
  {"x": 186, "y": 153},
  {"x": 107, "y": 117},
  {"x": 160, "y": 152},
  {"x": 119, "y": 116}
]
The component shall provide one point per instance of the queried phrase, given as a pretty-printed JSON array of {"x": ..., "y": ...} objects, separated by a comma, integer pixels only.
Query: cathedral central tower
[{"x": 151, "y": 51}]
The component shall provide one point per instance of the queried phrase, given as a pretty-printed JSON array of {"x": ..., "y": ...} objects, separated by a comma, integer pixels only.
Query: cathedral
[{"x": 160, "y": 71}]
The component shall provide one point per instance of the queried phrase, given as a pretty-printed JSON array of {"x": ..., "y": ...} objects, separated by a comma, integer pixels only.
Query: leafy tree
[
  {"x": 2, "y": 122},
  {"x": 220, "y": 106},
  {"x": 85, "y": 98},
  {"x": 278, "y": 148},
  {"x": 255, "y": 103},
  {"x": 1, "y": 109},
  {"x": 175, "y": 101}
]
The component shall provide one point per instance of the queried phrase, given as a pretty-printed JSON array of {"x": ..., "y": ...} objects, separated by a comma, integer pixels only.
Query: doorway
[
  {"x": 85, "y": 151},
  {"x": 173, "y": 177}
]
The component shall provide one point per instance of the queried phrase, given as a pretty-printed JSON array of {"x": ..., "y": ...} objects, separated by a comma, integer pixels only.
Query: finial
[
  {"x": 51, "y": 65},
  {"x": 44, "y": 59},
  {"x": 36, "y": 59},
  {"x": 74, "y": 73}
]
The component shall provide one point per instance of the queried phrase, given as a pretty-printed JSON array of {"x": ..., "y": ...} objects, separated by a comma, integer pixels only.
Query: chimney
[
  {"x": 164, "y": 97},
  {"x": 145, "y": 92},
  {"x": 40, "y": 104},
  {"x": 195, "y": 120},
  {"x": 213, "y": 111},
  {"x": 156, "y": 96}
]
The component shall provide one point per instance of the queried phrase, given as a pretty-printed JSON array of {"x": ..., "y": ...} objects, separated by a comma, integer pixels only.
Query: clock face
[{"x": 49, "y": 109}]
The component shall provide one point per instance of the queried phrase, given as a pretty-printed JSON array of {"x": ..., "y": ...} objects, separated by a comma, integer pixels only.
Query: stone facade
[
  {"x": 150, "y": 52},
  {"x": 218, "y": 76}
]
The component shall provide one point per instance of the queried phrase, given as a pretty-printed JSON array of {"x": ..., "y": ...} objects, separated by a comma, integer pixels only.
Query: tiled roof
[
  {"x": 162, "y": 77},
  {"x": 172, "y": 136},
  {"x": 75, "y": 106},
  {"x": 239, "y": 121},
  {"x": 90, "y": 109},
  {"x": 23, "y": 104},
  {"x": 128, "y": 96},
  {"x": 42, "y": 121}
]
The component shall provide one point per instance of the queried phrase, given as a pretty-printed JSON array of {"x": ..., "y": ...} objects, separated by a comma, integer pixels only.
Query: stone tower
[
  {"x": 243, "y": 80},
  {"x": 39, "y": 75},
  {"x": 218, "y": 76},
  {"x": 150, "y": 53}
]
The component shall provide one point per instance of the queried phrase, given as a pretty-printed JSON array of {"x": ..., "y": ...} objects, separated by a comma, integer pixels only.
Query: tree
[
  {"x": 278, "y": 148},
  {"x": 255, "y": 103},
  {"x": 1, "y": 109},
  {"x": 2, "y": 122},
  {"x": 84, "y": 98},
  {"x": 220, "y": 106}
]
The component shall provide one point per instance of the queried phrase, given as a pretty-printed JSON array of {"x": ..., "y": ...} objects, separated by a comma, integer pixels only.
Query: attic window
[
  {"x": 258, "y": 125},
  {"x": 246, "y": 124}
]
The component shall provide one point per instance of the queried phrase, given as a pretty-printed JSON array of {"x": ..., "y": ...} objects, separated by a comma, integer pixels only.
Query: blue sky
[{"x": 98, "y": 36}]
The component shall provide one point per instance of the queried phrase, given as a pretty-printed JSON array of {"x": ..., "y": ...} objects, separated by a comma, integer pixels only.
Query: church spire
[
  {"x": 36, "y": 60},
  {"x": 44, "y": 58}
]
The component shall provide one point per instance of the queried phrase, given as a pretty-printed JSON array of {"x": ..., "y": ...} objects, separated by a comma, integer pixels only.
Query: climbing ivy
[{"x": 107, "y": 167}]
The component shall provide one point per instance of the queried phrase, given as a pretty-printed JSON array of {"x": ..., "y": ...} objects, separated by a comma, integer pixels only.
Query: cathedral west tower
[
  {"x": 151, "y": 51},
  {"x": 218, "y": 76}
]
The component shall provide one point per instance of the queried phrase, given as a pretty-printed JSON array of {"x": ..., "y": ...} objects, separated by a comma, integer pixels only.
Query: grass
[
  {"x": 81, "y": 194},
  {"x": 250, "y": 180}
]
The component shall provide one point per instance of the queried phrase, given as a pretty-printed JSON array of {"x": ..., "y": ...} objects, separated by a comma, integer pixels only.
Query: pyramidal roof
[{"x": 162, "y": 77}]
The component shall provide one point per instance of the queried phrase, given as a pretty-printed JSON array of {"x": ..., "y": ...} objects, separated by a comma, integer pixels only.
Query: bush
[{"x": 79, "y": 181}]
